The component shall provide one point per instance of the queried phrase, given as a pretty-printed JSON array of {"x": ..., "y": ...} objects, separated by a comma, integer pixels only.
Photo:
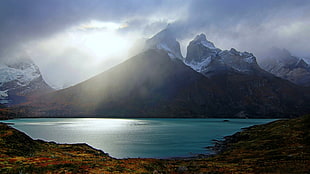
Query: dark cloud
[
  {"x": 227, "y": 13},
  {"x": 250, "y": 25},
  {"x": 31, "y": 19},
  {"x": 35, "y": 19}
]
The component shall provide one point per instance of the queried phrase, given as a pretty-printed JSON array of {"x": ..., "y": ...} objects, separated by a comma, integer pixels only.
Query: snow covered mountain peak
[
  {"x": 204, "y": 57},
  {"x": 200, "y": 53},
  {"x": 19, "y": 77},
  {"x": 165, "y": 40},
  {"x": 283, "y": 64},
  {"x": 201, "y": 39},
  {"x": 22, "y": 72}
]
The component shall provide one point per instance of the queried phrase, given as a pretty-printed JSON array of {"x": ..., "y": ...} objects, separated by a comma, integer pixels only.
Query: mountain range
[
  {"x": 205, "y": 58},
  {"x": 20, "y": 79},
  {"x": 282, "y": 64},
  {"x": 159, "y": 82}
]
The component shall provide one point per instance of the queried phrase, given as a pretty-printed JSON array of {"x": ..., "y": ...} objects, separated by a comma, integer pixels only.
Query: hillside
[{"x": 278, "y": 147}]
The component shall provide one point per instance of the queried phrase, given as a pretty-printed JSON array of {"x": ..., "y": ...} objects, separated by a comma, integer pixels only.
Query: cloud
[
  {"x": 246, "y": 25},
  {"x": 250, "y": 25},
  {"x": 34, "y": 19}
]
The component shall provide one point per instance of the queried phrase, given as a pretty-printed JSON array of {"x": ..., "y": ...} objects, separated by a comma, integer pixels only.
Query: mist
[{"x": 74, "y": 40}]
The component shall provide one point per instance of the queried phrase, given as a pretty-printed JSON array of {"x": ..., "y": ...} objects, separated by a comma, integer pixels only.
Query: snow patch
[
  {"x": 4, "y": 94},
  {"x": 201, "y": 39},
  {"x": 165, "y": 41},
  {"x": 197, "y": 66},
  {"x": 250, "y": 60},
  {"x": 172, "y": 56},
  {"x": 23, "y": 76},
  {"x": 162, "y": 46},
  {"x": 208, "y": 44},
  {"x": 4, "y": 97}
]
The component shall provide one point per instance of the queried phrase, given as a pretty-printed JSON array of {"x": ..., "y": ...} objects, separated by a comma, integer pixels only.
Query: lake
[{"x": 132, "y": 138}]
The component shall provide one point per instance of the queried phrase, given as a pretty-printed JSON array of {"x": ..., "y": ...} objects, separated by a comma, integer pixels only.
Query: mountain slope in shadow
[{"x": 152, "y": 84}]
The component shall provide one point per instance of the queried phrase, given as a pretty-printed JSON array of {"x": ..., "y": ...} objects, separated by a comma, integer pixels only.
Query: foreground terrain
[{"x": 278, "y": 147}]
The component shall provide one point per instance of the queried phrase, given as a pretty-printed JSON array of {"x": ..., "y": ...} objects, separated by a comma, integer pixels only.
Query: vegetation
[
  {"x": 6, "y": 113},
  {"x": 278, "y": 147}
]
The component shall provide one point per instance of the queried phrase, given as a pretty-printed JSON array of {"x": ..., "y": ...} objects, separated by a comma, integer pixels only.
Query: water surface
[{"x": 124, "y": 138}]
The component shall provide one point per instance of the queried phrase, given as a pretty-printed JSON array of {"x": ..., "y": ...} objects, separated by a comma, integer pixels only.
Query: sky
[{"x": 73, "y": 40}]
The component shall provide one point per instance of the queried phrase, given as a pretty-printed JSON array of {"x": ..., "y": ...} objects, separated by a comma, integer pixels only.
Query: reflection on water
[{"x": 123, "y": 138}]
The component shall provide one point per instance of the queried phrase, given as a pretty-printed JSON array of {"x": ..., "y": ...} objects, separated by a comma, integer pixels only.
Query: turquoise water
[{"x": 124, "y": 138}]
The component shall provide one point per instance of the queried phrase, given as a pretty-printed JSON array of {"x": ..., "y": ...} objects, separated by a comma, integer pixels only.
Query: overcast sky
[{"x": 72, "y": 40}]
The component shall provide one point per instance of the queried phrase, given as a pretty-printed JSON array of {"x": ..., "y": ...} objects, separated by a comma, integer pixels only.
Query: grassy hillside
[{"x": 278, "y": 147}]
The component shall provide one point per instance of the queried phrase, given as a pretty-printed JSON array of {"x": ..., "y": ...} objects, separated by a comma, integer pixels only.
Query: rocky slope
[
  {"x": 282, "y": 64},
  {"x": 205, "y": 58},
  {"x": 19, "y": 79}
]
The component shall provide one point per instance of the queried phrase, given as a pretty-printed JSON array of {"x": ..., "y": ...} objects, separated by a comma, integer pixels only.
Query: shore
[{"x": 278, "y": 147}]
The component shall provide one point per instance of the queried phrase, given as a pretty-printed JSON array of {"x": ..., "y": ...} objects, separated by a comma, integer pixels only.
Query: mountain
[
  {"x": 281, "y": 63},
  {"x": 205, "y": 58},
  {"x": 165, "y": 40},
  {"x": 307, "y": 60},
  {"x": 20, "y": 79},
  {"x": 244, "y": 82},
  {"x": 156, "y": 84},
  {"x": 150, "y": 84}
]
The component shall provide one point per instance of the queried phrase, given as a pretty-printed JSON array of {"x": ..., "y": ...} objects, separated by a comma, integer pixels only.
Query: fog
[{"x": 74, "y": 40}]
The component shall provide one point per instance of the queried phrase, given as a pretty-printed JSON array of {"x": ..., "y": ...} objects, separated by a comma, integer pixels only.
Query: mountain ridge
[
  {"x": 156, "y": 84},
  {"x": 165, "y": 40},
  {"x": 282, "y": 64},
  {"x": 20, "y": 79},
  {"x": 152, "y": 84},
  {"x": 204, "y": 57}
]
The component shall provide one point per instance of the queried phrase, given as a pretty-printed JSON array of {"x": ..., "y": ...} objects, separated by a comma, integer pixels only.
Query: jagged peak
[
  {"x": 302, "y": 63},
  {"x": 209, "y": 59},
  {"x": 202, "y": 39},
  {"x": 233, "y": 51},
  {"x": 165, "y": 40}
]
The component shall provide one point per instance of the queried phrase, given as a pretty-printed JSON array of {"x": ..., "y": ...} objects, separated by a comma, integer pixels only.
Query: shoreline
[
  {"x": 286, "y": 151},
  {"x": 225, "y": 119},
  {"x": 211, "y": 151},
  {"x": 195, "y": 156}
]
